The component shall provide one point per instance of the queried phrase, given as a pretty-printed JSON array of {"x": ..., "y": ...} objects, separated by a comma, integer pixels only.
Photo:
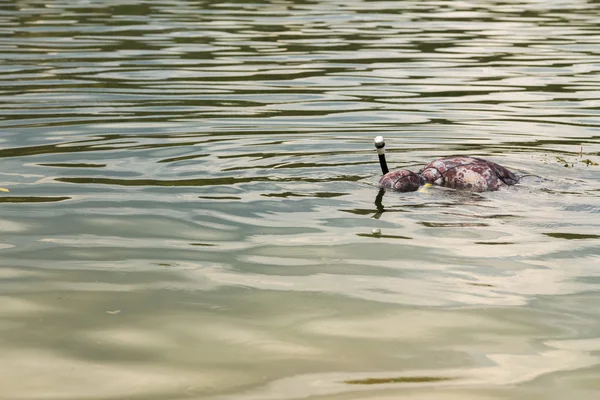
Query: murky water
[{"x": 192, "y": 195}]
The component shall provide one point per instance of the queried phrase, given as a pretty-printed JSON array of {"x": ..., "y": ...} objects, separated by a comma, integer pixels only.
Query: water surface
[{"x": 192, "y": 197}]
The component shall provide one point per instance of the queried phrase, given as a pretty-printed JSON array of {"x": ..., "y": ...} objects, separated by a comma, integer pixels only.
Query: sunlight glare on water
[{"x": 190, "y": 206}]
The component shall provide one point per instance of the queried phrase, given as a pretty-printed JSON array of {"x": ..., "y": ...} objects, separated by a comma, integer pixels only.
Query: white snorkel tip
[{"x": 380, "y": 145}]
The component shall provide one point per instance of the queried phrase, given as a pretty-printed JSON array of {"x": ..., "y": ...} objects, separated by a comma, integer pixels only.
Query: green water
[{"x": 192, "y": 198}]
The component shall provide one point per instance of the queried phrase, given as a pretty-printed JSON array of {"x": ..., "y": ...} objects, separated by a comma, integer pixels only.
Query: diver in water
[{"x": 460, "y": 172}]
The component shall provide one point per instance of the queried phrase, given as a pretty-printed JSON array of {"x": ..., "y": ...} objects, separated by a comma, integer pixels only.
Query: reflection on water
[{"x": 192, "y": 210}]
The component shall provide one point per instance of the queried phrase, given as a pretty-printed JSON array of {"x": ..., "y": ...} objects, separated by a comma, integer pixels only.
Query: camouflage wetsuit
[{"x": 466, "y": 173}]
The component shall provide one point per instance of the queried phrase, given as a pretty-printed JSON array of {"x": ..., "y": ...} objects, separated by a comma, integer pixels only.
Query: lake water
[{"x": 189, "y": 198}]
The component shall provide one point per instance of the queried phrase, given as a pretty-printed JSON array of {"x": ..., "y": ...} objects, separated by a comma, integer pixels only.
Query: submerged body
[{"x": 460, "y": 172}]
